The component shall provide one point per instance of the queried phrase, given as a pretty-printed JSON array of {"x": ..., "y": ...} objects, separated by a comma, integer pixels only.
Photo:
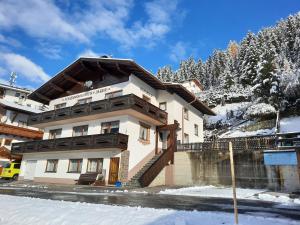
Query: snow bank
[
  {"x": 259, "y": 110},
  {"x": 290, "y": 124},
  {"x": 240, "y": 133},
  {"x": 223, "y": 111},
  {"x": 213, "y": 191},
  {"x": 21, "y": 210},
  {"x": 226, "y": 192}
]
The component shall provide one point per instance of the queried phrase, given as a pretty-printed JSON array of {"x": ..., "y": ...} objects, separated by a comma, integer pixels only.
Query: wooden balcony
[
  {"x": 20, "y": 131},
  {"x": 99, "y": 141},
  {"x": 122, "y": 105}
]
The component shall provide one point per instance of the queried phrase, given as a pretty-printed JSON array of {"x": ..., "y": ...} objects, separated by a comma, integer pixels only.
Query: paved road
[
  {"x": 3, "y": 181},
  {"x": 162, "y": 201}
]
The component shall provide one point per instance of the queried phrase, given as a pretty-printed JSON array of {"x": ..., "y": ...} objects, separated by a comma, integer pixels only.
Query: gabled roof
[{"x": 84, "y": 69}]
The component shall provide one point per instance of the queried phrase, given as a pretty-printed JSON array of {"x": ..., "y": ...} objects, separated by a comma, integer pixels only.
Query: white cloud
[
  {"x": 89, "y": 53},
  {"x": 60, "y": 20},
  {"x": 9, "y": 41},
  {"x": 23, "y": 67},
  {"x": 38, "y": 19},
  {"x": 51, "y": 51},
  {"x": 178, "y": 52}
]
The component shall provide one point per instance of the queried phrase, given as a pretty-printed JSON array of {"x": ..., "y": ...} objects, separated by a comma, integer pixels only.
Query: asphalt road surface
[{"x": 162, "y": 201}]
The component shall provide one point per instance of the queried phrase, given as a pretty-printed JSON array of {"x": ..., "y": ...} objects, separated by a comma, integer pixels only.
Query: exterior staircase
[{"x": 151, "y": 169}]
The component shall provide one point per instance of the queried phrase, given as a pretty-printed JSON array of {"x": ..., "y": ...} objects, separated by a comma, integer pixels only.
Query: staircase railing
[{"x": 150, "y": 174}]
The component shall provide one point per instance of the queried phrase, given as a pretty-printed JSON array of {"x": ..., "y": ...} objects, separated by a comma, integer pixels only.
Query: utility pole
[{"x": 236, "y": 219}]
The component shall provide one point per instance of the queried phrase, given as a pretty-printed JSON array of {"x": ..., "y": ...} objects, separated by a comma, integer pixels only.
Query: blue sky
[{"x": 39, "y": 38}]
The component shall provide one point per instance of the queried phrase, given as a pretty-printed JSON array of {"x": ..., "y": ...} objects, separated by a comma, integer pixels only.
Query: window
[
  {"x": 17, "y": 166},
  {"x": 51, "y": 166},
  {"x": 146, "y": 98},
  {"x": 144, "y": 132},
  {"x": 163, "y": 106},
  {"x": 196, "y": 130},
  {"x": 22, "y": 123},
  {"x": 29, "y": 105},
  {"x": 59, "y": 106},
  {"x": 185, "y": 138},
  {"x": 185, "y": 113},
  {"x": 80, "y": 130},
  {"x": 94, "y": 165},
  {"x": 7, "y": 142},
  {"x": 75, "y": 165},
  {"x": 53, "y": 134},
  {"x": 17, "y": 94},
  {"x": 113, "y": 94},
  {"x": 83, "y": 101},
  {"x": 110, "y": 127},
  {"x": 2, "y": 93}
]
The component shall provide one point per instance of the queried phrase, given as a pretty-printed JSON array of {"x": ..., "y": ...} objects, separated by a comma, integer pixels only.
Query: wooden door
[{"x": 113, "y": 170}]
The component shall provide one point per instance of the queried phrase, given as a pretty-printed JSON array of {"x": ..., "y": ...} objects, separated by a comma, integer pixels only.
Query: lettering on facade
[{"x": 87, "y": 94}]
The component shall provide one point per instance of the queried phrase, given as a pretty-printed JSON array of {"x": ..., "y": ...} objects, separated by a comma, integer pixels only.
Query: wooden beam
[
  {"x": 120, "y": 70},
  {"x": 56, "y": 87},
  {"x": 43, "y": 97},
  {"x": 105, "y": 71},
  {"x": 20, "y": 131},
  {"x": 72, "y": 79},
  {"x": 82, "y": 63}
]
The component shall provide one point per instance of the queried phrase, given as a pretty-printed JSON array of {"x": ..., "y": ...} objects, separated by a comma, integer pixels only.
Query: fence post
[{"x": 233, "y": 184}]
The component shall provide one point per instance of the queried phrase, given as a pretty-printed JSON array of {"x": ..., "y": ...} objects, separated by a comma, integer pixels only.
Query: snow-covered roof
[
  {"x": 19, "y": 107},
  {"x": 290, "y": 124}
]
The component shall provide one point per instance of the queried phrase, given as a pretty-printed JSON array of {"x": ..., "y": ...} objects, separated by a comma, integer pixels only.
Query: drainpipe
[{"x": 189, "y": 103}]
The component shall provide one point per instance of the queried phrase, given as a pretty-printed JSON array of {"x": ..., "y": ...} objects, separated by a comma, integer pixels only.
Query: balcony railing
[
  {"x": 98, "y": 141},
  {"x": 20, "y": 131},
  {"x": 130, "y": 101}
]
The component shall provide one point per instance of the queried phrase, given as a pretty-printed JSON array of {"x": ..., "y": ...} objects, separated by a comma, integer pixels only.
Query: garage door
[{"x": 30, "y": 169}]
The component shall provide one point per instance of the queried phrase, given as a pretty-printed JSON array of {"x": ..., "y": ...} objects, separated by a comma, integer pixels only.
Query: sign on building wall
[{"x": 280, "y": 158}]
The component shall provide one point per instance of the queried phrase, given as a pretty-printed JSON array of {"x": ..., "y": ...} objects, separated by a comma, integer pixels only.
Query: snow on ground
[
  {"x": 223, "y": 111},
  {"x": 240, "y": 133},
  {"x": 22, "y": 210},
  {"x": 226, "y": 192},
  {"x": 290, "y": 124}
]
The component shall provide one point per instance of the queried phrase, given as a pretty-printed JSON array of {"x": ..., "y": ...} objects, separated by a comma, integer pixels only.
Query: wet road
[{"x": 163, "y": 201}]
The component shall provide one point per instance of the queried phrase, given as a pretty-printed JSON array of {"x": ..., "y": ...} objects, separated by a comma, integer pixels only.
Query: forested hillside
[{"x": 264, "y": 67}]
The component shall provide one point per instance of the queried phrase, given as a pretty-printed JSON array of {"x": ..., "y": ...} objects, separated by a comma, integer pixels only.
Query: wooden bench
[{"x": 87, "y": 178}]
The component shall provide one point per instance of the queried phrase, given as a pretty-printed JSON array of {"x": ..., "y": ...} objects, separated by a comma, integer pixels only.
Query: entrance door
[
  {"x": 113, "y": 170},
  {"x": 30, "y": 169}
]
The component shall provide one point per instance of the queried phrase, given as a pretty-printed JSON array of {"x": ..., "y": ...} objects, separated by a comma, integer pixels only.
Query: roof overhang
[{"x": 84, "y": 68}]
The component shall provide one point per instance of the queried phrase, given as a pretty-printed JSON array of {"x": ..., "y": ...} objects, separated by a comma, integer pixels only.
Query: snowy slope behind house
[{"x": 247, "y": 83}]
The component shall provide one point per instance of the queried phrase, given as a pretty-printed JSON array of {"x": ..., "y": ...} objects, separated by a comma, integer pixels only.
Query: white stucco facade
[
  {"x": 138, "y": 150},
  {"x": 15, "y": 108}
]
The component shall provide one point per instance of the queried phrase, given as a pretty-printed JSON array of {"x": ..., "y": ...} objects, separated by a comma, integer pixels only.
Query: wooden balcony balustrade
[
  {"x": 98, "y": 141},
  {"x": 130, "y": 101},
  {"x": 20, "y": 131}
]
